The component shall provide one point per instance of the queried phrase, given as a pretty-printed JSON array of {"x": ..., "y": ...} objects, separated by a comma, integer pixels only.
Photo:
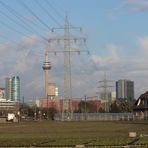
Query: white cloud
[
  {"x": 113, "y": 55},
  {"x": 33, "y": 86},
  {"x": 29, "y": 42},
  {"x": 22, "y": 65},
  {"x": 137, "y": 5},
  {"x": 143, "y": 42},
  {"x": 3, "y": 47},
  {"x": 120, "y": 66},
  {"x": 86, "y": 70},
  {"x": 27, "y": 18},
  {"x": 6, "y": 49}
]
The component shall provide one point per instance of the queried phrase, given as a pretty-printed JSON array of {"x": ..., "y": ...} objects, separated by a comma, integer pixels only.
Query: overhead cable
[
  {"x": 45, "y": 10},
  {"x": 13, "y": 29},
  {"x": 56, "y": 11},
  {"x": 27, "y": 8},
  {"x": 12, "y": 11}
]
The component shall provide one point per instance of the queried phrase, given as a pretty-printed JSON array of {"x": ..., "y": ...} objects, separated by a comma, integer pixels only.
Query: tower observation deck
[{"x": 46, "y": 66}]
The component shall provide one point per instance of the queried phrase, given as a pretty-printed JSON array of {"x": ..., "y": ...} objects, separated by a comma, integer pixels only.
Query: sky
[{"x": 116, "y": 36}]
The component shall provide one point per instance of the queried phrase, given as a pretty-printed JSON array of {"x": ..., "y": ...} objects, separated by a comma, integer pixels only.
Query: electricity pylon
[
  {"x": 104, "y": 85},
  {"x": 67, "y": 39}
]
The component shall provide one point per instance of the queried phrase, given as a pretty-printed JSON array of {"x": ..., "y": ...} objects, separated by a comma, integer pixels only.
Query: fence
[{"x": 96, "y": 116}]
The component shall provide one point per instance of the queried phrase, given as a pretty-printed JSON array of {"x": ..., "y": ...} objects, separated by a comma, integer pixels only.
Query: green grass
[{"x": 49, "y": 133}]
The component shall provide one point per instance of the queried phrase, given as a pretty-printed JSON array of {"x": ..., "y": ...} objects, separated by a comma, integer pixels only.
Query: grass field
[{"x": 50, "y": 133}]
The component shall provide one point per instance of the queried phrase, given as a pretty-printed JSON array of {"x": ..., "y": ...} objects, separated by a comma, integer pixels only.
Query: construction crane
[{"x": 67, "y": 39}]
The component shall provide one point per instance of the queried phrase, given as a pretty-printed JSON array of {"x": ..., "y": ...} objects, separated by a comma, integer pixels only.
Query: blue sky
[{"x": 117, "y": 38}]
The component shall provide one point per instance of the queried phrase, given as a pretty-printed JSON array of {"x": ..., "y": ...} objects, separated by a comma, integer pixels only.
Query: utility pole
[
  {"x": 67, "y": 39},
  {"x": 104, "y": 85}
]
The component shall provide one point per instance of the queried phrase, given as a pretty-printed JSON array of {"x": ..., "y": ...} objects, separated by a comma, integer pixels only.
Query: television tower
[
  {"x": 67, "y": 39},
  {"x": 46, "y": 67}
]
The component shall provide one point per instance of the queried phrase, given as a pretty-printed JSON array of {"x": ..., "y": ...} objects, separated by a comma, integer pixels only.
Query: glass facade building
[
  {"x": 13, "y": 88},
  {"x": 125, "y": 89}
]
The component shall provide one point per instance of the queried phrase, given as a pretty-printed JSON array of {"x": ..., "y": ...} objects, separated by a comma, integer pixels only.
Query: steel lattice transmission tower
[
  {"x": 67, "y": 39},
  {"x": 105, "y": 85}
]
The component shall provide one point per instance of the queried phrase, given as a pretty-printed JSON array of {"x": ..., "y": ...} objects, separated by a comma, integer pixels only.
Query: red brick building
[{"x": 74, "y": 104}]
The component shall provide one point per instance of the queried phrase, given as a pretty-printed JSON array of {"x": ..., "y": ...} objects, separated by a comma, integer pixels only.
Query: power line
[
  {"x": 13, "y": 20},
  {"x": 14, "y": 30},
  {"x": 12, "y": 11},
  {"x": 58, "y": 13},
  {"x": 11, "y": 28},
  {"x": 41, "y": 6},
  {"x": 27, "y": 8}
]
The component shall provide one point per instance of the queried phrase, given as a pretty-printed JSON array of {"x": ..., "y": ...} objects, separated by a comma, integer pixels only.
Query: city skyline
[{"x": 117, "y": 38}]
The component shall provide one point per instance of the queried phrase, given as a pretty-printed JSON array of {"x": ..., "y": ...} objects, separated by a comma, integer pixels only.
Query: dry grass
[{"x": 48, "y": 133}]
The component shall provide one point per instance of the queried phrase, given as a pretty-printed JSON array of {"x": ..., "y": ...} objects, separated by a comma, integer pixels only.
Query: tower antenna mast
[{"x": 46, "y": 67}]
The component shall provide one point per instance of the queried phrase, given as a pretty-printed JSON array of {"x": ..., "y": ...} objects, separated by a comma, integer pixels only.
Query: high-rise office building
[
  {"x": 125, "y": 89},
  {"x": 15, "y": 88},
  {"x": 2, "y": 93},
  {"x": 12, "y": 88},
  {"x": 8, "y": 88}
]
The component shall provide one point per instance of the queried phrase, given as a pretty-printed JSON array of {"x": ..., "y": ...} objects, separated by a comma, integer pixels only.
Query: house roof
[{"x": 139, "y": 104}]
